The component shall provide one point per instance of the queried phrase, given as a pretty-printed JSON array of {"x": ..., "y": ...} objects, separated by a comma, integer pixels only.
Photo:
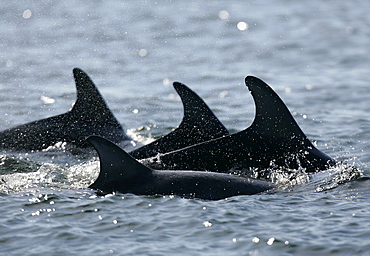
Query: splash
[
  {"x": 19, "y": 174},
  {"x": 339, "y": 175}
]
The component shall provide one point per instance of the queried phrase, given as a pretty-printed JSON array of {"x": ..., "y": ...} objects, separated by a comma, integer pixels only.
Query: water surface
[{"x": 314, "y": 55}]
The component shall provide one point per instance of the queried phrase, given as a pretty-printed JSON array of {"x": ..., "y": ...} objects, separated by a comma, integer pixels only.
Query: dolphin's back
[
  {"x": 121, "y": 172},
  {"x": 90, "y": 115},
  {"x": 198, "y": 124},
  {"x": 274, "y": 139}
]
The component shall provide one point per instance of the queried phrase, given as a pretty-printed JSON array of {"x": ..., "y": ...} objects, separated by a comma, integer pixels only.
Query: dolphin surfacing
[
  {"x": 119, "y": 172},
  {"x": 90, "y": 115},
  {"x": 274, "y": 139},
  {"x": 199, "y": 124}
]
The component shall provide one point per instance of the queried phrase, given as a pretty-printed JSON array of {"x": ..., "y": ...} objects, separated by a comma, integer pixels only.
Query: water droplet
[
  {"x": 242, "y": 26},
  {"x": 207, "y": 224},
  {"x": 143, "y": 52},
  {"x": 27, "y": 14},
  {"x": 47, "y": 100},
  {"x": 166, "y": 81},
  {"x": 223, "y": 15},
  {"x": 8, "y": 63},
  {"x": 271, "y": 241},
  {"x": 223, "y": 94},
  {"x": 255, "y": 240}
]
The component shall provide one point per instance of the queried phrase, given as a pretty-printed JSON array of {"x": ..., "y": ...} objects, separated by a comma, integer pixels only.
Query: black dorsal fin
[
  {"x": 198, "y": 124},
  {"x": 198, "y": 114},
  {"x": 90, "y": 105},
  {"x": 272, "y": 119},
  {"x": 116, "y": 166}
]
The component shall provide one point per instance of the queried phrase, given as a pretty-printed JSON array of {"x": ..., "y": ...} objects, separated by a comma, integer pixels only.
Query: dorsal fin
[
  {"x": 89, "y": 101},
  {"x": 116, "y": 166},
  {"x": 198, "y": 124},
  {"x": 272, "y": 117},
  {"x": 198, "y": 114}
]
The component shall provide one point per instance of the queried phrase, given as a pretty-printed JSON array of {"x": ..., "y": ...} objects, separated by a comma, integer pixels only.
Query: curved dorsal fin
[
  {"x": 116, "y": 166},
  {"x": 198, "y": 124},
  {"x": 198, "y": 114},
  {"x": 90, "y": 105},
  {"x": 272, "y": 117},
  {"x": 273, "y": 139}
]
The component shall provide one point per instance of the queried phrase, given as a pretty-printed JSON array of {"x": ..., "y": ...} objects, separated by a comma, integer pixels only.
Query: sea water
[{"x": 315, "y": 55}]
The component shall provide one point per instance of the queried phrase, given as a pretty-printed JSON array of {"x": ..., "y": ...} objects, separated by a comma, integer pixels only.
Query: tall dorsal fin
[
  {"x": 272, "y": 117},
  {"x": 116, "y": 166},
  {"x": 198, "y": 114},
  {"x": 198, "y": 124},
  {"x": 90, "y": 105}
]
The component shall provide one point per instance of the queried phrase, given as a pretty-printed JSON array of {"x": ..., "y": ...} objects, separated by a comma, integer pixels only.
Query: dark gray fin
[
  {"x": 90, "y": 101},
  {"x": 274, "y": 120},
  {"x": 116, "y": 166},
  {"x": 273, "y": 140},
  {"x": 199, "y": 124},
  {"x": 91, "y": 108},
  {"x": 89, "y": 116}
]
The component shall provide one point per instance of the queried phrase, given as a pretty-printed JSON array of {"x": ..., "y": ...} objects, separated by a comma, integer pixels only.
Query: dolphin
[
  {"x": 90, "y": 115},
  {"x": 198, "y": 124},
  {"x": 274, "y": 139},
  {"x": 119, "y": 172}
]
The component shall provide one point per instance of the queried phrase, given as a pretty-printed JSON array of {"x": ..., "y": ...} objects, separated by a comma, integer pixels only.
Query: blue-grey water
[{"x": 315, "y": 55}]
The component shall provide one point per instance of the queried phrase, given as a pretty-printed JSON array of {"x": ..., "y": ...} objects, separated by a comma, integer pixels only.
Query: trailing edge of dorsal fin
[
  {"x": 90, "y": 105},
  {"x": 199, "y": 124},
  {"x": 116, "y": 166},
  {"x": 197, "y": 113},
  {"x": 272, "y": 117}
]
